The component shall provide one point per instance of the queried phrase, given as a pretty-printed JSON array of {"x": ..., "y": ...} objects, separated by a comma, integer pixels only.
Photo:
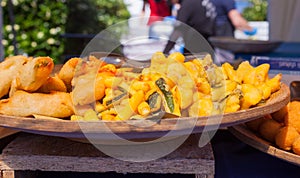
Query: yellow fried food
[
  {"x": 243, "y": 70},
  {"x": 258, "y": 75},
  {"x": 232, "y": 103},
  {"x": 89, "y": 84},
  {"x": 251, "y": 96},
  {"x": 274, "y": 82},
  {"x": 8, "y": 69},
  {"x": 53, "y": 84},
  {"x": 87, "y": 89},
  {"x": 286, "y": 137},
  {"x": 56, "y": 104},
  {"x": 230, "y": 72},
  {"x": 67, "y": 71},
  {"x": 33, "y": 74}
]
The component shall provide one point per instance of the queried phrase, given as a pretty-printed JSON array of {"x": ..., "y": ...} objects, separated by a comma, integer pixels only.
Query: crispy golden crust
[
  {"x": 67, "y": 71},
  {"x": 8, "y": 69},
  {"x": 286, "y": 137},
  {"x": 293, "y": 115},
  {"x": 33, "y": 74},
  {"x": 56, "y": 104},
  {"x": 53, "y": 84},
  {"x": 85, "y": 95}
]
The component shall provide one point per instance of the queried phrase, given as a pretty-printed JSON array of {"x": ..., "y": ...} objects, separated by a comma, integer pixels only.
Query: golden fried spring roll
[
  {"x": 87, "y": 89},
  {"x": 8, "y": 69},
  {"x": 67, "y": 71},
  {"x": 53, "y": 84},
  {"x": 33, "y": 74},
  {"x": 56, "y": 104}
]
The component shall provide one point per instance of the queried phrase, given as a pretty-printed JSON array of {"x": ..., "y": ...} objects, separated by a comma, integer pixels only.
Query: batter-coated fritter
[{"x": 56, "y": 104}]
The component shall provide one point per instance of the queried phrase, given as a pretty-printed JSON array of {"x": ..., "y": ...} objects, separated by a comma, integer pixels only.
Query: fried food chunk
[
  {"x": 269, "y": 129},
  {"x": 85, "y": 95},
  {"x": 296, "y": 146},
  {"x": 32, "y": 75},
  {"x": 67, "y": 71},
  {"x": 286, "y": 137},
  {"x": 53, "y": 84},
  {"x": 56, "y": 104},
  {"x": 293, "y": 115},
  {"x": 8, "y": 68}
]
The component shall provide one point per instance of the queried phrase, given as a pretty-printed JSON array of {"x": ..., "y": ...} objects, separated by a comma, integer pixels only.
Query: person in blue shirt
[{"x": 229, "y": 18}]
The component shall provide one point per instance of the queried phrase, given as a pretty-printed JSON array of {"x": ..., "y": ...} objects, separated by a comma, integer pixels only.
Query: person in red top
[{"x": 158, "y": 10}]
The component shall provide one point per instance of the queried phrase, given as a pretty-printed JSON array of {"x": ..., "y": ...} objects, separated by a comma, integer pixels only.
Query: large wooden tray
[
  {"x": 133, "y": 130},
  {"x": 247, "y": 136}
]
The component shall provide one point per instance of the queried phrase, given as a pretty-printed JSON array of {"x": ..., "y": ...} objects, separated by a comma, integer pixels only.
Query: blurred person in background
[
  {"x": 194, "y": 17},
  {"x": 158, "y": 10},
  {"x": 229, "y": 18}
]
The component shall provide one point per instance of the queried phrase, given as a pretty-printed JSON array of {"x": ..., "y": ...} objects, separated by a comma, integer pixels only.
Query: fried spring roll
[
  {"x": 56, "y": 104},
  {"x": 8, "y": 69},
  {"x": 33, "y": 74}
]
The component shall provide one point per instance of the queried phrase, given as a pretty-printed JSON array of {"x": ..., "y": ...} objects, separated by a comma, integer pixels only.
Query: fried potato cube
[{"x": 286, "y": 137}]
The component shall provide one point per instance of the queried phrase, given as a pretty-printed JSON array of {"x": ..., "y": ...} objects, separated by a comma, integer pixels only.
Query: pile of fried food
[
  {"x": 92, "y": 90},
  {"x": 281, "y": 128}
]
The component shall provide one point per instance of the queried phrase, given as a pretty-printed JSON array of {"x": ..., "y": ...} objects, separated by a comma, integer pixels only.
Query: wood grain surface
[
  {"x": 136, "y": 129},
  {"x": 44, "y": 153}
]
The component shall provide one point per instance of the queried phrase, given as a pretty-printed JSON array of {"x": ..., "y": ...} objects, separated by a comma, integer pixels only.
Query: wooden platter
[
  {"x": 247, "y": 136},
  {"x": 141, "y": 129}
]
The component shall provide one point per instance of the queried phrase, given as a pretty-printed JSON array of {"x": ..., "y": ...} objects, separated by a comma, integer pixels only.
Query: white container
[{"x": 262, "y": 31}]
